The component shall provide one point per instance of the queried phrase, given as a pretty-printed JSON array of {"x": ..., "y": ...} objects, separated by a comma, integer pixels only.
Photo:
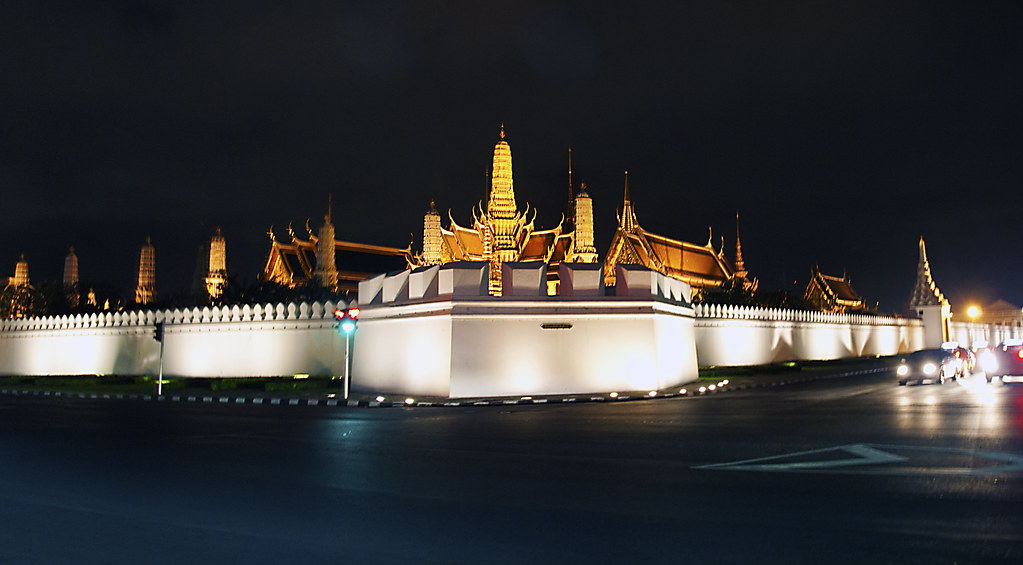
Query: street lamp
[
  {"x": 348, "y": 322},
  {"x": 973, "y": 312}
]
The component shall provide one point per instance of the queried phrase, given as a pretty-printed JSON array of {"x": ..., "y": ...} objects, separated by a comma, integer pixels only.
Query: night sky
[{"x": 840, "y": 131}]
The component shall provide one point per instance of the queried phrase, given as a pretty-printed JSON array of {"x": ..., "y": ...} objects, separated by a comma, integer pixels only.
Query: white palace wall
[
  {"x": 434, "y": 331},
  {"x": 741, "y": 335},
  {"x": 261, "y": 340}
]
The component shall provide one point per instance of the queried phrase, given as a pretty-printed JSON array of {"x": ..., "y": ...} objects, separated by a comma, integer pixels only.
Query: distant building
[
  {"x": 700, "y": 266},
  {"x": 501, "y": 233},
  {"x": 1002, "y": 313},
  {"x": 20, "y": 277},
  {"x": 832, "y": 294},
  {"x": 928, "y": 303},
  {"x": 582, "y": 209},
  {"x": 211, "y": 268},
  {"x": 145, "y": 290},
  {"x": 71, "y": 278},
  {"x": 18, "y": 298},
  {"x": 325, "y": 274},
  {"x": 925, "y": 290},
  {"x": 314, "y": 259}
]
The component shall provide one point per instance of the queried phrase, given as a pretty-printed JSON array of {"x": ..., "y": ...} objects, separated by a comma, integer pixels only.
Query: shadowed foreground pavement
[{"x": 921, "y": 474}]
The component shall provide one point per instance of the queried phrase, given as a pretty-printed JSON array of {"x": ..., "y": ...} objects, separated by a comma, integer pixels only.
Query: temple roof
[
  {"x": 831, "y": 293},
  {"x": 698, "y": 265},
  {"x": 839, "y": 287},
  {"x": 464, "y": 244},
  {"x": 682, "y": 259},
  {"x": 294, "y": 263},
  {"x": 1000, "y": 304}
]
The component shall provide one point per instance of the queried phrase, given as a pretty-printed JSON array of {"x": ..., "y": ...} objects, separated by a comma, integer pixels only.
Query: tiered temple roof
[
  {"x": 294, "y": 263},
  {"x": 701, "y": 266},
  {"x": 832, "y": 294}
]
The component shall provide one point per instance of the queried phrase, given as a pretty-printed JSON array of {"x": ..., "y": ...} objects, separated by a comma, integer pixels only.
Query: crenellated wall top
[
  {"x": 734, "y": 312},
  {"x": 291, "y": 311}
]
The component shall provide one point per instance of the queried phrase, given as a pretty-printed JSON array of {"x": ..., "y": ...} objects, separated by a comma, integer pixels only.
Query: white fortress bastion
[{"x": 436, "y": 331}]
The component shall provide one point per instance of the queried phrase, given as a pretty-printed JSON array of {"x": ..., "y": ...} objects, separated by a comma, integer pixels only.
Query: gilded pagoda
[
  {"x": 701, "y": 266},
  {"x": 501, "y": 233}
]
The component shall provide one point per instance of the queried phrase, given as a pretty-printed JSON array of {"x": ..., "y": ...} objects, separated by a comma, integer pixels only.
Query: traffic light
[
  {"x": 158, "y": 331},
  {"x": 348, "y": 320}
]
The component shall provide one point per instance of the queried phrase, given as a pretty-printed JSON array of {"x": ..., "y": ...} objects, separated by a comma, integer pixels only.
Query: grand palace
[{"x": 500, "y": 233}]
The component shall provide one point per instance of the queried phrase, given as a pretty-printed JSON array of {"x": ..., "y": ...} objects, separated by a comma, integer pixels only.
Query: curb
[{"x": 335, "y": 402}]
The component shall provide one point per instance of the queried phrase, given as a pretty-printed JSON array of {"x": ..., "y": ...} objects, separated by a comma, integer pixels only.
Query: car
[
  {"x": 1005, "y": 361},
  {"x": 965, "y": 360},
  {"x": 935, "y": 365}
]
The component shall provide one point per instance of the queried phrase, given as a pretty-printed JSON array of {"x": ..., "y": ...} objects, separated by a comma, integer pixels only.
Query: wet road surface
[{"x": 851, "y": 470}]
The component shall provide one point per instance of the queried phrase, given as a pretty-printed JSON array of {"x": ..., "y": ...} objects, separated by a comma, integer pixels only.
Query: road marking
[{"x": 874, "y": 459}]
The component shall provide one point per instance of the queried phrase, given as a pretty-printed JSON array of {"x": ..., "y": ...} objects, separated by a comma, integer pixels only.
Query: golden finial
[{"x": 502, "y": 130}]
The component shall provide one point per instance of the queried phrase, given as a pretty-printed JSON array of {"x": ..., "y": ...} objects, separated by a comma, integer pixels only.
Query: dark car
[
  {"x": 1005, "y": 361},
  {"x": 935, "y": 365}
]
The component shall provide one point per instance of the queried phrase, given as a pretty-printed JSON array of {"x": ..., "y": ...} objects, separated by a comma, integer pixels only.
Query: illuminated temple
[
  {"x": 314, "y": 260},
  {"x": 701, "y": 266},
  {"x": 829, "y": 293},
  {"x": 501, "y": 233}
]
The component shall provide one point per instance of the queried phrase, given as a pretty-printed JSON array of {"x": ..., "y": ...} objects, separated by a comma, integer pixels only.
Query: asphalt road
[{"x": 851, "y": 470}]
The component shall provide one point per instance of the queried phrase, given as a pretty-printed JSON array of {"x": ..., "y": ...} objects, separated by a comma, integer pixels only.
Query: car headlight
[
  {"x": 902, "y": 370},
  {"x": 929, "y": 369},
  {"x": 988, "y": 361}
]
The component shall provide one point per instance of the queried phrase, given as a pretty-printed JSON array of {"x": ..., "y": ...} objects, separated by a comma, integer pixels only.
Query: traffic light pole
[
  {"x": 159, "y": 380},
  {"x": 347, "y": 320},
  {"x": 348, "y": 376}
]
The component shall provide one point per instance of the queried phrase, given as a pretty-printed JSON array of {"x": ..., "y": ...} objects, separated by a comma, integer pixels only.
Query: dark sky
[{"x": 840, "y": 131}]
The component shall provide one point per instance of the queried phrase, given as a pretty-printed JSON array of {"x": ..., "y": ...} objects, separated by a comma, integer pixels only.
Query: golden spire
[
  {"x": 501, "y": 204},
  {"x": 740, "y": 266},
  {"x": 570, "y": 208},
  {"x": 330, "y": 204},
  {"x": 628, "y": 220},
  {"x": 570, "y": 167}
]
